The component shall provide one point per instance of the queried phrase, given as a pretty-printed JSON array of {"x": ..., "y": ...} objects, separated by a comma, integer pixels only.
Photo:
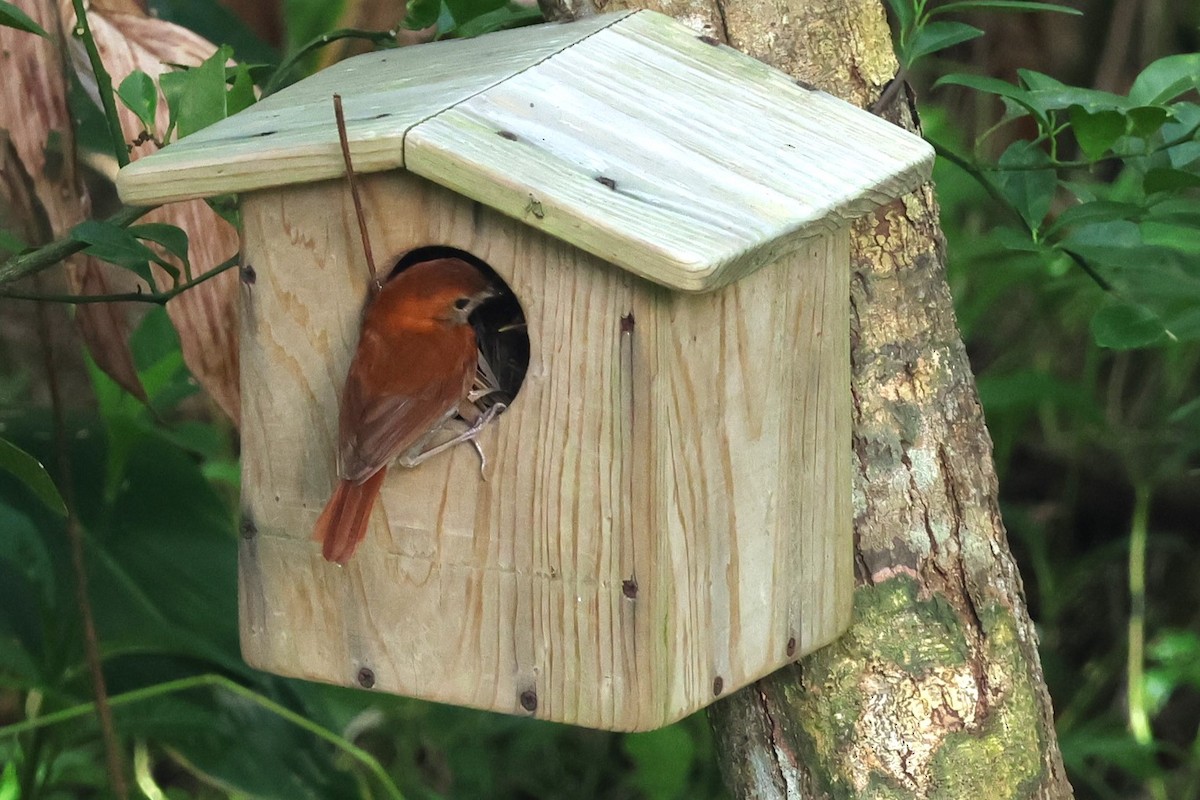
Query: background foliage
[{"x": 1069, "y": 183}]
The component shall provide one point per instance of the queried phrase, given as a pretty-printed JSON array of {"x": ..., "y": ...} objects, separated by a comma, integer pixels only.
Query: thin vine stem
[
  {"x": 103, "y": 85},
  {"x": 993, "y": 192},
  {"x": 219, "y": 681},
  {"x": 157, "y": 298},
  {"x": 279, "y": 77},
  {"x": 1135, "y": 686},
  {"x": 113, "y": 758}
]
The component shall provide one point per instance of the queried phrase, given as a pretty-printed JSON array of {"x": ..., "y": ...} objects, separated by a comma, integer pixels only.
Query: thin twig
[
  {"x": 889, "y": 92},
  {"x": 50, "y": 254},
  {"x": 358, "y": 209},
  {"x": 1135, "y": 675},
  {"x": 91, "y": 646},
  {"x": 158, "y": 298},
  {"x": 103, "y": 85},
  {"x": 220, "y": 681}
]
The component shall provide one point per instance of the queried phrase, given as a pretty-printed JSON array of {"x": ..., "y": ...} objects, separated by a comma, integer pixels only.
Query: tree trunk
[{"x": 937, "y": 689}]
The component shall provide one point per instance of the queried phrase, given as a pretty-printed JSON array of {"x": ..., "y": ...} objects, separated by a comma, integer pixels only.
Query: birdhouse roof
[{"x": 625, "y": 135}]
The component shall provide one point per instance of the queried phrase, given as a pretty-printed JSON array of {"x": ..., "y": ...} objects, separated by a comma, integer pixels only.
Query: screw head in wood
[
  {"x": 366, "y": 677},
  {"x": 529, "y": 700}
]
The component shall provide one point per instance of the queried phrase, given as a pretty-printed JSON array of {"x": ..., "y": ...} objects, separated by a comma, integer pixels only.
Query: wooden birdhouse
[{"x": 665, "y": 514}]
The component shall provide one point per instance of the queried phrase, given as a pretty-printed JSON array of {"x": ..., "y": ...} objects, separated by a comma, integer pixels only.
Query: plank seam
[{"x": 619, "y": 18}]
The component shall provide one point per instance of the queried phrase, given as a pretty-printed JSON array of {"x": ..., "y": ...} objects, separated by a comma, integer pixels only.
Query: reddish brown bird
[{"x": 414, "y": 365}]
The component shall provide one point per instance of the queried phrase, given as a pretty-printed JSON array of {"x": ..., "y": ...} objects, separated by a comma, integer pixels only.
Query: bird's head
[{"x": 444, "y": 290}]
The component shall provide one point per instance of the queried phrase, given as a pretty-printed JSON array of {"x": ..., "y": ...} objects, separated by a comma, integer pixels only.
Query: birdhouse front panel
[
  {"x": 665, "y": 511},
  {"x": 664, "y": 515}
]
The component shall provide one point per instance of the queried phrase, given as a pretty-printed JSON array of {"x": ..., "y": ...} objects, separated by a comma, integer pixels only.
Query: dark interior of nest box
[{"x": 499, "y": 324}]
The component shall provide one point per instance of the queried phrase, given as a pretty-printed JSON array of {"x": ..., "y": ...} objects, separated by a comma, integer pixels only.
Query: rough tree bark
[{"x": 937, "y": 690}]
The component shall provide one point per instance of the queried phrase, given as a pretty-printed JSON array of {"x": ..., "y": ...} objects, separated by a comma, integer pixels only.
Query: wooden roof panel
[
  {"x": 682, "y": 162},
  {"x": 291, "y": 136},
  {"x": 625, "y": 135}
]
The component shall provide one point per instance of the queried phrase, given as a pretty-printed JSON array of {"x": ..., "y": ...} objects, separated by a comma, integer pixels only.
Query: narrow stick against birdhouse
[{"x": 368, "y": 253}]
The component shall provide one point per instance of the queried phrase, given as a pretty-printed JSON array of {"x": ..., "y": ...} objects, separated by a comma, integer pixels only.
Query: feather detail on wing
[{"x": 380, "y": 420}]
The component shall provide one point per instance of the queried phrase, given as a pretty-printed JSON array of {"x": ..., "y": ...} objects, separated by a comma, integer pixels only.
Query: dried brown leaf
[
  {"x": 33, "y": 110},
  {"x": 204, "y": 316}
]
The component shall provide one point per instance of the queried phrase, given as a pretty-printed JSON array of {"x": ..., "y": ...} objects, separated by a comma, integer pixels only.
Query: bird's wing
[{"x": 381, "y": 420}]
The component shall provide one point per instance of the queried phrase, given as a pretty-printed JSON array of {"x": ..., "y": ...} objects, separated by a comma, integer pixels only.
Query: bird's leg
[{"x": 468, "y": 435}]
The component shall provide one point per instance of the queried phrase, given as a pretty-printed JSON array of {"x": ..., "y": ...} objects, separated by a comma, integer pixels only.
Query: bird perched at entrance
[{"x": 414, "y": 364}]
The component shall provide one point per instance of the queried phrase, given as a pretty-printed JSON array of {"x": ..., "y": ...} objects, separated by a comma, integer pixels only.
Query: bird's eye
[{"x": 462, "y": 303}]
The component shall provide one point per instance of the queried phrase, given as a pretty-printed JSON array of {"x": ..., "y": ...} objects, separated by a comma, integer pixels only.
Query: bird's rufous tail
[{"x": 343, "y": 523}]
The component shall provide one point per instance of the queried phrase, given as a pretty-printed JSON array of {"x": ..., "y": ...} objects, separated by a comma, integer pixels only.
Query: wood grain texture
[
  {"x": 685, "y": 163},
  {"x": 667, "y": 501},
  {"x": 291, "y": 137}
]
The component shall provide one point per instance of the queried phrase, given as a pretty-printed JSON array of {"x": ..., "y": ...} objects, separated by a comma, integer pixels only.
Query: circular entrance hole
[{"x": 499, "y": 325}]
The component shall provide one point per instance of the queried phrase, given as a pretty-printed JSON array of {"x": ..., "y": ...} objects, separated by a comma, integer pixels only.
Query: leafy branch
[
  {"x": 919, "y": 35},
  {"x": 155, "y": 297},
  {"x": 1131, "y": 235},
  {"x": 48, "y": 255}
]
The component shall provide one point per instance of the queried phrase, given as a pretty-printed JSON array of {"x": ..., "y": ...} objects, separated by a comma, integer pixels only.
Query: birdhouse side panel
[
  {"x": 519, "y": 593},
  {"x": 756, "y": 443}
]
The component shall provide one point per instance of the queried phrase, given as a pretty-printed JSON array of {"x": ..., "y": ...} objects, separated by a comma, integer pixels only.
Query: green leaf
[
  {"x": 1053, "y": 98},
  {"x": 1015, "y": 239},
  {"x": 1094, "y": 211},
  {"x": 905, "y": 13},
  {"x": 10, "y": 784},
  {"x": 196, "y": 97},
  {"x": 116, "y": 245},
  {"x": 241, "y": 89},
  {"x": 1146, "y": 120},
  {"x": 1106, "y": 242},
  {"x": 1125, "y": 326},
  {"x": 1003, "y": 5},
  {"x": 937, "y": 36},
  {"x": 1175, "y": 209},
  {"x": 989, "y": 85},
  {"x": 421, "y": 14},
  {"x": 23, "y": 546},
  {"x": 29, "y": 471},
  {"x": 1028, "y": 186},
  {"x": 1169, "y": 180},
  {"x": 1166, "y": 79},
  {"x": 1180, "y": 238},
  {"x": 1096, "y": 132},
  {"x": 511, "y": 16},
  {"x": 13, "y": 17},
  {"x": 1039, "y": 81},
  {"x": 11, "y": 243},
  {"x": 140, "y": 95},
  {"x": 172, "y": 238}
]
